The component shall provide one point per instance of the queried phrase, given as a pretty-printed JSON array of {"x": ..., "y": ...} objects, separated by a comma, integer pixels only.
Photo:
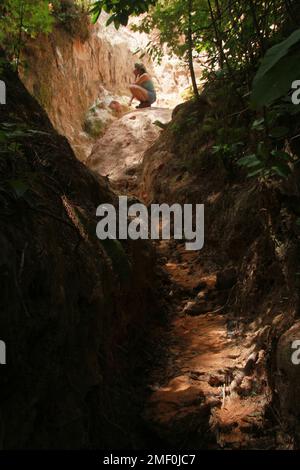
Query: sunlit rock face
[
  {"x": 73, "y": 79},
  {"x": 120, "y": 151}
]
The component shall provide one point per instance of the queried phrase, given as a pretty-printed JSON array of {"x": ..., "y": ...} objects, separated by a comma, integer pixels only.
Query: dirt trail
[{"x": 207, "y": 388}]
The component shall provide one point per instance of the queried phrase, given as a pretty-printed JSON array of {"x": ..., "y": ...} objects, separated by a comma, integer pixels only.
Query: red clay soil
[
  {"x": 203, "y": 392},
  {"x": 209, "y": 386}
]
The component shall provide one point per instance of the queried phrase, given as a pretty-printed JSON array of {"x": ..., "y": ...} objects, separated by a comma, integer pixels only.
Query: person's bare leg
[{"x": 139, "y": 93}]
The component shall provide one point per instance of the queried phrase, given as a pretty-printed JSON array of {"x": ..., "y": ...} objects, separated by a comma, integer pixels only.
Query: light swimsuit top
[
  {"x": 148, "y": 85},
  {"x": 145, "y": 82}
]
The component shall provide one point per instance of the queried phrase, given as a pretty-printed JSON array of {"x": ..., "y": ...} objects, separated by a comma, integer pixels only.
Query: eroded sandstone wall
[
  {"x": 68, "y": 76},
  {"x": 74, "y": 310}
]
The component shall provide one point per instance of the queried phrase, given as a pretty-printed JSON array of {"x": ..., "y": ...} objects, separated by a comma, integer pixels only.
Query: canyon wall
[
  {"x": 70, "y": 76},
  {"x": 75, "y": 311},
  {"x": 251, "y": 234}
]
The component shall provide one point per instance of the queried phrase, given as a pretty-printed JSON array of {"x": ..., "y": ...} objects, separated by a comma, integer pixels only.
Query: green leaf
[
  {"x": 255, "y": 173},
  {"x": 19, "y": 187},
  {"x": 254, "y": 164},
  {"x": 281, "y": 154},
  {"x": 275, "y": 53},
  {"x": 279, "y": 68},
  {"x": 110, "y": 20},
  {"x": 279, "y": 132},
  {"x": 248, "y": 160},
  {"x": 159, "y": 124},
  {"x": 3, "y": 136},
  {"x": 281, "y": 169},
  {"x": 95, "y": 11},
  {"x": 258, "y": 124}
]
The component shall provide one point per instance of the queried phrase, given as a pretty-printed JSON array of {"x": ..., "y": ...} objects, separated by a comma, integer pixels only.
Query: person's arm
[{"x": 142, "y": 78}]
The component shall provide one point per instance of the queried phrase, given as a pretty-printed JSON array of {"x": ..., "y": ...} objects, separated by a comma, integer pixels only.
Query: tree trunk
[
  {"x": 222, "y": 57},
  {"x": 190, "y": 51},
  {"x": 257, "y": 27},
  {"x": 18, "y": 46}
]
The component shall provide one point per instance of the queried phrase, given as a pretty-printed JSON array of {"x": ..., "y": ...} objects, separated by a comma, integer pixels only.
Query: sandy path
[
  {"x": 200, "y": 395},
  {"x": 194, "y": 401}
]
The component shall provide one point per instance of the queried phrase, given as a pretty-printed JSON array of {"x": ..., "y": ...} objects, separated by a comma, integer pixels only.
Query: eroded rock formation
[
  {"x": 73, "y": 309},
  {"x": 120, "y": 151},
  {"x": 70, "y": 76}
]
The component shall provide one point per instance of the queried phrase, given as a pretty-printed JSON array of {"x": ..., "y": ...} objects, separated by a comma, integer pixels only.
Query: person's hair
[{"x": 141, "y": 68}]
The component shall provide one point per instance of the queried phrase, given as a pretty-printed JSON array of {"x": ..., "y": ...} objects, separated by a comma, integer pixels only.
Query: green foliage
[
  {"x": 171, "y": 19},
  {"x": 94, "y": 127},
  {"x": 279, "y": 68},
  {"x": 19, "y": 187},
  {"x": 271, "y": 86},
  {"x": 265, "y": 164},
  {"x": 120, "y": 10},
  {"x": 234, "y": 37},
  {"x": 11, "y": 135},
  {"x": 23, "y": 19},
  {"x": 232, "y": 34},
  {"x": 160, "y": 124},
  {"x": 73, "y": 16},
  {"x": 228, "y": 150},
  {"x": 20, "y": 19}
]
